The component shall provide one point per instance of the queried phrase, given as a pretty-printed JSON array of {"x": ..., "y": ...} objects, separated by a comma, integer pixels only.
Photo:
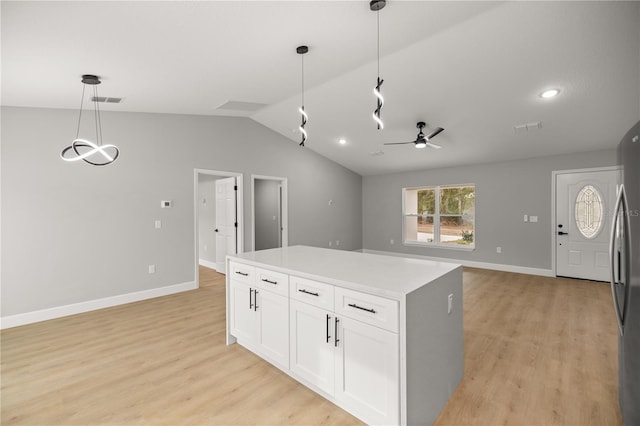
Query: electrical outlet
[
  {"x": 450, "y": 303},
  {"x": 391, "y": 242},
  {"x": 498, "y": 249},
  {"x": 152, "y": 269},
  {"x": 158, "y": 224},
  {"x": 526, "y": 218},
  {"x": 330, "y": 243},
  {"x": 337, "y": 242}
]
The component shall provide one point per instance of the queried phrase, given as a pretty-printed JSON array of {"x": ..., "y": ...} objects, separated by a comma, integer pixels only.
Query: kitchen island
[{"x": 379, "y": 336}]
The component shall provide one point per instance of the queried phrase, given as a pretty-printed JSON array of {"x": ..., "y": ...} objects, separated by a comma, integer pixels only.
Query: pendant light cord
[
  {"x": 378, "y": 16},
  {"x": 80, "y": 114},
  {"x": 302, "y": 57}
]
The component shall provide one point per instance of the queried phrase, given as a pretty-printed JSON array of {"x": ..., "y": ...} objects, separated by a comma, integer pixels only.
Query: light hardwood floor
[{"x": 538, "y": 351}]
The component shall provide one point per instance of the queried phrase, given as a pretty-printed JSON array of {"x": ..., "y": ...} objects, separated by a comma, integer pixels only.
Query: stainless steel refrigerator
[{"x": 625, "y": 275}]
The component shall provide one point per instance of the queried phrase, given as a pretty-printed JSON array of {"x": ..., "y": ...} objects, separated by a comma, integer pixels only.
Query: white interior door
[
  {"x": 584, "y": 204},
  {"x": 226, "y": 221}
]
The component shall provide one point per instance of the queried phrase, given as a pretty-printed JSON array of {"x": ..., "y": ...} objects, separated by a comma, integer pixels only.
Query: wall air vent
[{"x": 106, "y": 99}]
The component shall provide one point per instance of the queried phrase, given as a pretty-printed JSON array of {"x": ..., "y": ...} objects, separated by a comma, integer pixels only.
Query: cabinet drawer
[
  {"x": 275, "y": 282},
  {"x": 242, "y": 273},
  {"x": 374, "y": 310},
  {"x": 312, "y": 292}
]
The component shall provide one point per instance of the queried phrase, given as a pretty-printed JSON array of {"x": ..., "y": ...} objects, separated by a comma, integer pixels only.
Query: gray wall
[
  {"x": 206, "y": 217},
  {"x": 266, "y": 207},
  {"x": 504, "y": 193},
  {"x": 74, "y": 232}
]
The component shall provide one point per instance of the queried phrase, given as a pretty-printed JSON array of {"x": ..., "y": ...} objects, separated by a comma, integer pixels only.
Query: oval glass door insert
[{"x": 589, "y": 211}]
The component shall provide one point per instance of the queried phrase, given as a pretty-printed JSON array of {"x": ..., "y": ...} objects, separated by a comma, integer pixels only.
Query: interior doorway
[
  {"x": 584, "y": 202},
  {"x": 269, "y": 208},
  {"x": 218, "y": 213}
]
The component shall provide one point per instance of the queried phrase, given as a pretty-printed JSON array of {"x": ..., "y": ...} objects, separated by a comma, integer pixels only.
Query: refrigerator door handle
[{"x": 612, "y": 257}]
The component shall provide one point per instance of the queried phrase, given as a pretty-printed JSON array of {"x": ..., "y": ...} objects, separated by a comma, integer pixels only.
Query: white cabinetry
[
  {"x": 259, "y": 318},
  {"x": 352, "y": 361},
  {"x": 312, "y": 351},
  {"x": 372, "y": 334},
  {"x": 367, "y": 371}
]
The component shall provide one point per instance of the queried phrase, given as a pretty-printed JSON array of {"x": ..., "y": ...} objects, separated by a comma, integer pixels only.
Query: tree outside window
[{"x": 440, "y": 215}]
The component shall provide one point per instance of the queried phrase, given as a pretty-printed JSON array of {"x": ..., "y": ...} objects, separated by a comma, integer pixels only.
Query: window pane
[
  {"x": 426, "y": 201},
  {"x": 589, "y": 211},
  {"x": 418, "y": 228},
  {"x": 457, "y": 200},
  {"x": 457, "y": 230}
]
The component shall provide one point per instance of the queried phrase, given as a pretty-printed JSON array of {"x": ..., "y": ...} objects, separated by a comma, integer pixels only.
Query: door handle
[
  {"x": 562, "y": 233},
  {"x": 620, "y": 202}
]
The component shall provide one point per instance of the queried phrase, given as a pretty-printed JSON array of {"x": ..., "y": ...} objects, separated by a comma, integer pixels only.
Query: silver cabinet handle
[{"x": 250, "y": 301}]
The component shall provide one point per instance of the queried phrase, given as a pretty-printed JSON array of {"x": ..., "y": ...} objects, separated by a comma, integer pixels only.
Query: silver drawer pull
[
  {"x": 302, "y": 290},
  {"x": 270, "y": 282},
  {"x": 244, "y": 274},
  {"x": 353, "y": 305}
]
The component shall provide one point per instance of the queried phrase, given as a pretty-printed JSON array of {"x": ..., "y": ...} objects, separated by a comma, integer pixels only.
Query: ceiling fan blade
[
  {"x": 399, "y": 143},
  {"x": 433, "y": 145},
  {"x": 435, "y": 132}
]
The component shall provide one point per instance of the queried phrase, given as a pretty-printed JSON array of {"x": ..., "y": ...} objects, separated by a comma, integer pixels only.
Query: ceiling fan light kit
[
  {"x": 92, "y": 153},
  {"x": 422, "y": 141}
]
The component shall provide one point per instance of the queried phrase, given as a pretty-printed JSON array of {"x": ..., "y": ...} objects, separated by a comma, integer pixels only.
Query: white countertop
[{"x": 388, "y": 276}]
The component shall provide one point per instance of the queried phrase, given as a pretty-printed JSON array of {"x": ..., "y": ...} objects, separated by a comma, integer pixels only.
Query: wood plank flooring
[{"x": 538, "y": 351}]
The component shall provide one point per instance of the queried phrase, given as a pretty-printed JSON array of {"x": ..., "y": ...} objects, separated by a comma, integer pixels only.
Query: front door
[
  {"x": 584, "y": 205},
  {"x": 226, "y": 221}
]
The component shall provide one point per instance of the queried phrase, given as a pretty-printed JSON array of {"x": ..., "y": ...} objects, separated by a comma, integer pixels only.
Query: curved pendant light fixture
[
  {"x": 376, "y": 6},
  {"x": 92, "y": 153},
  {"x": 301, "y": 50}
]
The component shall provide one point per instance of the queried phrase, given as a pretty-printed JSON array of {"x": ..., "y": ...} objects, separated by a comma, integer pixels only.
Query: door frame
[
  {"x": 554, "y": 176},
  {"x": 196, "y": 214},
  {"x": 284, "y": 206}
]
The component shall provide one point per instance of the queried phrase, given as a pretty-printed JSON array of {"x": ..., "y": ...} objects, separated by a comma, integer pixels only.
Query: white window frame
[{"x": 436, "y": 220}]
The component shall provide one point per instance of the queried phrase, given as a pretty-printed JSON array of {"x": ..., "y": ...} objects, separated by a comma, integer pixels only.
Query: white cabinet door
[
  {"x": 312, "y": 345},
  {"x": 367, "y": 371},
  {"x": 273, "y": 326},
  {"x": 243, "y": 317}
]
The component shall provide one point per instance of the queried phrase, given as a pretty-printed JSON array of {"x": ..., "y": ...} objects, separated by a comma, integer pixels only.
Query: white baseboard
[
  {"x": 208, "y": 264},
  {"x": 471, "y": 263},
  {"x": 92, "y": 305}
]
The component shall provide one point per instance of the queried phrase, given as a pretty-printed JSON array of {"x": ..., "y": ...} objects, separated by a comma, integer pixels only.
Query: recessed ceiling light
[
  {"x": 342, "y": 141},
  {"x": 550, "y": 93}
]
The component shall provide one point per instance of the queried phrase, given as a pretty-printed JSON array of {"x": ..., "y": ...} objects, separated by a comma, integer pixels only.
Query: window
[
  {"x": 440, "y": 215},
  {"x": 589, "y": 211}
]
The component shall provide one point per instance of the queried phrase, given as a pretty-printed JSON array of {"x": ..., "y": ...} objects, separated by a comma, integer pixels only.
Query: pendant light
[
  {"x": 376, "y": 6},
  {"x": 301, "y": 50},
  {"x": 94, "y": 153}
]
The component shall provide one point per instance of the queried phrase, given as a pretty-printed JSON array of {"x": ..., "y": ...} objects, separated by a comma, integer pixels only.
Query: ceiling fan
[{"x": 422, "y": 141}]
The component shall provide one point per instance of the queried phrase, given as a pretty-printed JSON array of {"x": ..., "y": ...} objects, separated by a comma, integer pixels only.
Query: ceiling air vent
[
  {"x": 523, "y": 128},
  {"x": 241, "y": 106},
  {"x": 106, "y": 99}
]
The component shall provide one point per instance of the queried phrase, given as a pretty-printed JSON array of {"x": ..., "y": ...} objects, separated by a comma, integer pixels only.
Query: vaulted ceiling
[{"x": 474, "y": 68}]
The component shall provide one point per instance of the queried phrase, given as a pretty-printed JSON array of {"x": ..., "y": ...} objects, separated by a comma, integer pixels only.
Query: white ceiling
[{"x": 475, "y": 68}]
